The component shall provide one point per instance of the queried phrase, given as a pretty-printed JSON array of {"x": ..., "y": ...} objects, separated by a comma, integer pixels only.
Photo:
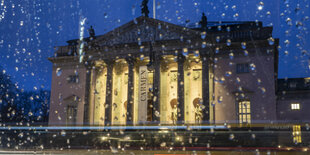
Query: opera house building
[{"x": 152, "y": 72}]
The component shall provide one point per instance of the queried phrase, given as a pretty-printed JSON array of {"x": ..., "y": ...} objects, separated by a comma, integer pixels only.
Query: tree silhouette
[
  {"x": 8, "y": 98},
  {"x": 17, "y": 106},
  {"x": 144, "y": 8}
]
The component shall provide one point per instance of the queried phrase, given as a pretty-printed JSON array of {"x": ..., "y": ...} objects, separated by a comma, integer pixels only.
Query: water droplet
[
  {"x": 268, "y": 13},
  {"x": 222, "y": 80},
  {"x": 260, "y": 6},
  {"x": 228, "y": 29},
  {"x": 139, "y": 41},
  {"x": 246, "y": 53},
  {"x": 286, "y": 53},
  {"x": 157, "y": 114},
  {"x": 223, "y": 15},
  {"x": 141, "y": 57},
  {"x": 234, "y": 7},
  {"x": 185, "y": 51},
  {"x": 228, "y": 73},
  {"x": 228, "y": 42},
  {"x": 30, "y": 113},
  {"x": 63, "y": 133},
  {"x": 58, "y": 71},
  {"x": 263, "y": 90},
  {"x": 21, "y": 135},
  {"x": 163, "y": 144},
  {"x": 286, "y": 42},
  {"x": 219, "y": 28},
  {"x": 181, "y": 38},
  {"x": 204, "y": 45},
  {"x": 141, "y": 48},
  {"x": 253, "y": 136},
  {"x": 289, "y": 21},
  {"x": 105, "y": 15},
  {"x": 231, "y": 136},
  {"x": 243, "y": 45},
  {"x": 220, "y": 99},
  {"x": 236, "y": 16},
  {"x": 218, "y": 39},
  {"x": 238, "y": 80},
  {"x": 231, "y": 55},
  {"x": 215, "y": 60},
  {"x": 270, "y": 41},
  {"x": 252, "y": 66},
  {"x": 259, "y": 81},
  {"x": 196, "y": 53},
  {"x": 203, "y": 35}
]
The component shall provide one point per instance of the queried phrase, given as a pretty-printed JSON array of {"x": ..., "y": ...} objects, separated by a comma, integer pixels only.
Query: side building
[
  {"x": 293, "y": 98},
  {"x": 149, "y": 71}
]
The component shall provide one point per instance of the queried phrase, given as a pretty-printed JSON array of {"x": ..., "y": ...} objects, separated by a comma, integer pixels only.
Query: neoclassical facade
[{"x": 153, "y": 72}]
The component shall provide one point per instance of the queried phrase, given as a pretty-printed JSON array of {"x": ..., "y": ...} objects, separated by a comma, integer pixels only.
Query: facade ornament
[
  {"x": 203, "y": 23},
  {"x": 91, "y": 32},
  {"x": 144, "y": 8}
]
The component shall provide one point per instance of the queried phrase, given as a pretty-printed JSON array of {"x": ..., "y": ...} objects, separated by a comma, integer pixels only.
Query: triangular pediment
[{"x": 144, "y": 29}]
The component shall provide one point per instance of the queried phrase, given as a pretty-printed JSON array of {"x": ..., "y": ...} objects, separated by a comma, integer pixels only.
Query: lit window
[
  {"x": 295, "y": 106},
  {"x": 244, "y": 112},
  {"x": 71, "y": 115},
  {"x": 296, "y": 134}
]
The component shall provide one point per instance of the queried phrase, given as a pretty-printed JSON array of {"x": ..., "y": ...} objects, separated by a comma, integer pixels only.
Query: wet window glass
[{"x": 154, "y": 77}]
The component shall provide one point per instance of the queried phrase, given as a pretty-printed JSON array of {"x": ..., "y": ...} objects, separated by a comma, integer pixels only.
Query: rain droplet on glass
[
  {"x": 58, "y": 71},
  {"x": 228, "y": 42}
]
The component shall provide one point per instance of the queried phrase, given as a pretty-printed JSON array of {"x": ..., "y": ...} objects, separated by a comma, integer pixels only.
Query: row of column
[{"x": 156, "y": 91}]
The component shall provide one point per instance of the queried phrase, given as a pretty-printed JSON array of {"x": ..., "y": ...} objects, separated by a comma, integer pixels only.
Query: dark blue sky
[{"x": 30, "y": 29}]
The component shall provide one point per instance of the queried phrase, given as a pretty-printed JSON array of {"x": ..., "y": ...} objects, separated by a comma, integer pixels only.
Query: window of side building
[
  {"x": 244, "y": 111},
  {"x": 73, "y": 79},
  {"x": 242, "y": 68},
  {"x": 295, "y": 106},
  {"x": 71, "y": 115}
]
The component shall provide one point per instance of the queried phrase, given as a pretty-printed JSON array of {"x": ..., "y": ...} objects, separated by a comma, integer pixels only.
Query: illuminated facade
[{"x": 153, "y": 72}]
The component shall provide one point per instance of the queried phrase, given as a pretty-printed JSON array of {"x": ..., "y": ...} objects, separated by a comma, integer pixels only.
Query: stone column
[
  {"x": 130, "y": 96},
  {"x": 156, "y": 90},
  {"x": 87, "y": 117},
  {"x": 109, "y": 91},
  {"x": 86, "y": 99},
  {"x": 91, "y": 95},
  {"x": 205, "y": 88},
  {"x": 181, "y": 60}
]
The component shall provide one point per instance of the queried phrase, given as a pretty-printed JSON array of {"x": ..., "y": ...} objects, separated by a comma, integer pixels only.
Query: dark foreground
[{"x": 206, "y": 139}]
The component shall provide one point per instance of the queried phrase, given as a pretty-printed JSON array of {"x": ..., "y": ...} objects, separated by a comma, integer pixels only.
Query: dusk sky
[{"x": 30, "y": 29}]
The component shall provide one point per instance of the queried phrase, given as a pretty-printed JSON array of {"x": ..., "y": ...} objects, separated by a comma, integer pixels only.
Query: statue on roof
[
  {"x": 203, "y": 23},
  {"x": 91, "y": 32},
  {"x": 144, "y": 8}
]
